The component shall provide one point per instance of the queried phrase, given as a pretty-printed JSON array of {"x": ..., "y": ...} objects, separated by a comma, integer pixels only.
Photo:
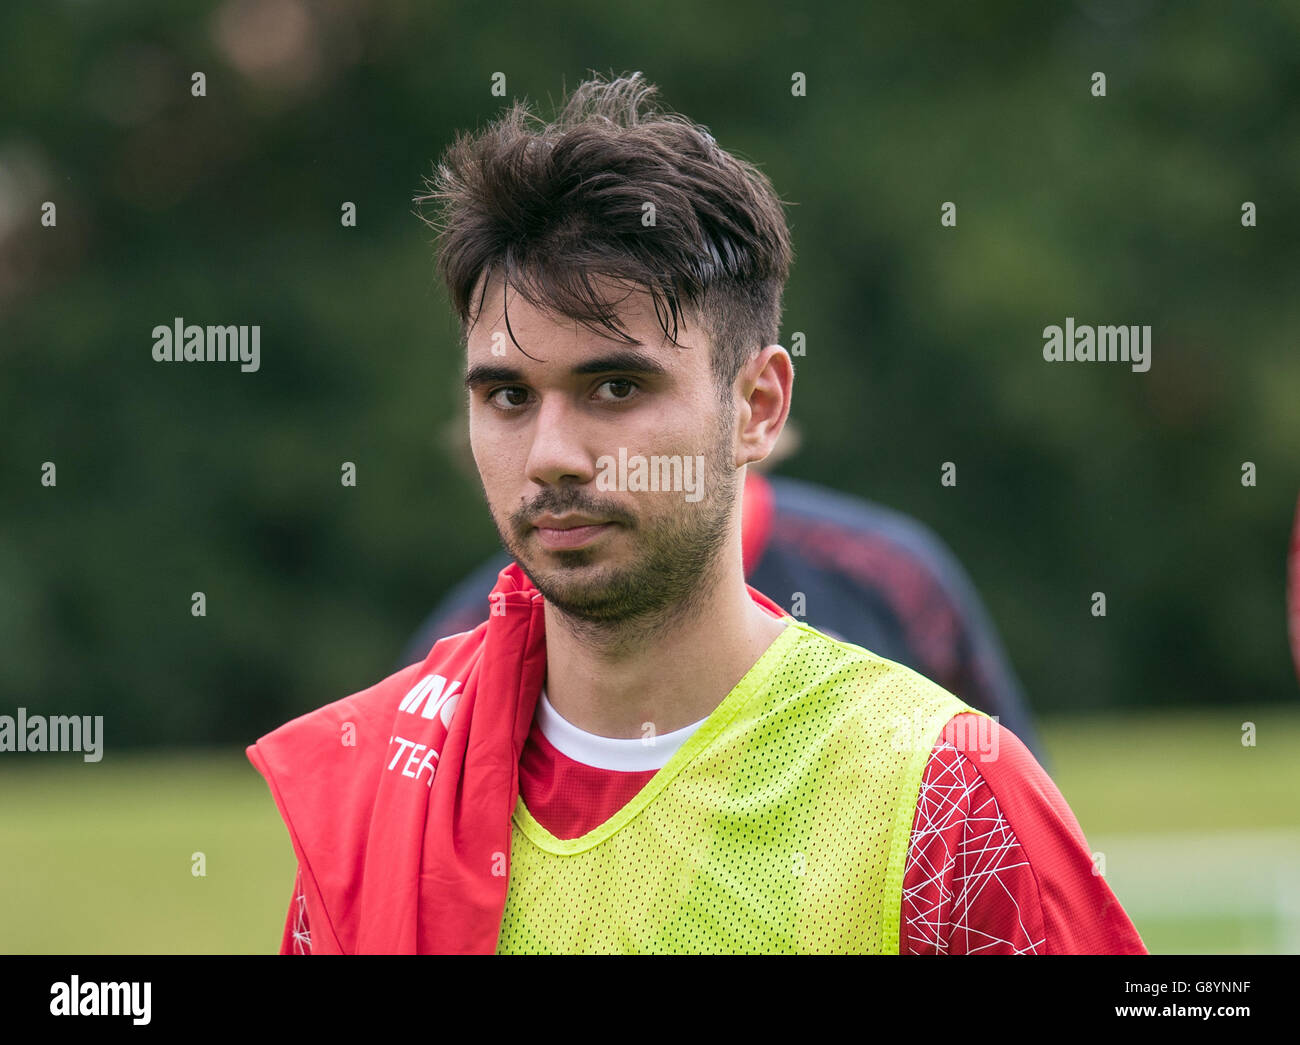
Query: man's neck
[{"x": 678, "y": 675}]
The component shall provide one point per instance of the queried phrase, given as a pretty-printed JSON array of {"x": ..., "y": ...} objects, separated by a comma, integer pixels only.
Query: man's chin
[
  {"x": 579, "y": 581},
  {"x": 589, "y": 590}
]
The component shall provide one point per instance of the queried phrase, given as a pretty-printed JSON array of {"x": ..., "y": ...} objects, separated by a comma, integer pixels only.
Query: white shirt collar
[{"x": 636, "y": 754}]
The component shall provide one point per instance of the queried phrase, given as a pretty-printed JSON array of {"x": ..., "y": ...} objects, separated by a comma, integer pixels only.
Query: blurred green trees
[{"x": 923, "y": 342}]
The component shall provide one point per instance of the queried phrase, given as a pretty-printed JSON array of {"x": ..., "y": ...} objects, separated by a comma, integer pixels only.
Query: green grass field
[{"x": 1201, "y": 839}]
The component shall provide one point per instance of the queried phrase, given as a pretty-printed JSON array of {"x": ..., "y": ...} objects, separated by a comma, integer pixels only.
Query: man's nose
[{"x": 560, "y": 450}]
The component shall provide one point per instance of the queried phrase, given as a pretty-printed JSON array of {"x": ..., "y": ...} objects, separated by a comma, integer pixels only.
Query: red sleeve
[
  {"x": 297, "y": 935},
  {"x": 997, "y": 862}
]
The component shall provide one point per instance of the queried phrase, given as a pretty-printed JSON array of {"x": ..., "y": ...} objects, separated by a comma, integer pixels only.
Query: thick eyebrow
[{"x": 625, "y": 360}]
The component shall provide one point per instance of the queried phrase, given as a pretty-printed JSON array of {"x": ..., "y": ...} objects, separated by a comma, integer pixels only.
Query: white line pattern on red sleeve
[
  {"x": 967, "y": 880},
  {"x": 301, "y": 933}
]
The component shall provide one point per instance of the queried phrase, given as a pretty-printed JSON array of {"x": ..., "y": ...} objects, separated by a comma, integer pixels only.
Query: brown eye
[
  {"x": 622, "y": 387},
  {"x": 511, "y": 392}
]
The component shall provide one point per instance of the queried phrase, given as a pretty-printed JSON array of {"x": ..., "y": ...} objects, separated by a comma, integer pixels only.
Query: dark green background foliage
[{"x": 923, "y": 343}]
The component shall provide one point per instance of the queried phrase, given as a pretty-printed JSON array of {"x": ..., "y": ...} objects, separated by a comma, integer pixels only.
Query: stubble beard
[{"x": 677, "y": 560}]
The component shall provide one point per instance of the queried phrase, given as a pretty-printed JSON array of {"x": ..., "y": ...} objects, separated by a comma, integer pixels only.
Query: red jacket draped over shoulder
[{"x": 398, "y": 798}]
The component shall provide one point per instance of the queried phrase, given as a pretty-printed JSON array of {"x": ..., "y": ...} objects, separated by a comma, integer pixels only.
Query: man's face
[{"x": 548, "y": 434}]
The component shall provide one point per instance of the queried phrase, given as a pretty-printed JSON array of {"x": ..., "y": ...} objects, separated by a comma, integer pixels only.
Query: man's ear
[
  {"x": 765, "y": 385},
  {"x": 787, "y": 445}
]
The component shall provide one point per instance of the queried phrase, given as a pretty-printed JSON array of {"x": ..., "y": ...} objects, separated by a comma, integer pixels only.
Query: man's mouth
[{"x": 569, "y": 532}]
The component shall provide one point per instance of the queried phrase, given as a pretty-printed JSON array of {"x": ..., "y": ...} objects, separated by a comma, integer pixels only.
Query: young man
[{"x": 634, "y": 750}]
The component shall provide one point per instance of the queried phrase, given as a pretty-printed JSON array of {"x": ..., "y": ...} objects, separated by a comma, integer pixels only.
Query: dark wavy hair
[{"x": 552, "y": 205}]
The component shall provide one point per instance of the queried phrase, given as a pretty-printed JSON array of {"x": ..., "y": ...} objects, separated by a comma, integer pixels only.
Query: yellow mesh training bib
[{"x": 780, "y": 826}]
